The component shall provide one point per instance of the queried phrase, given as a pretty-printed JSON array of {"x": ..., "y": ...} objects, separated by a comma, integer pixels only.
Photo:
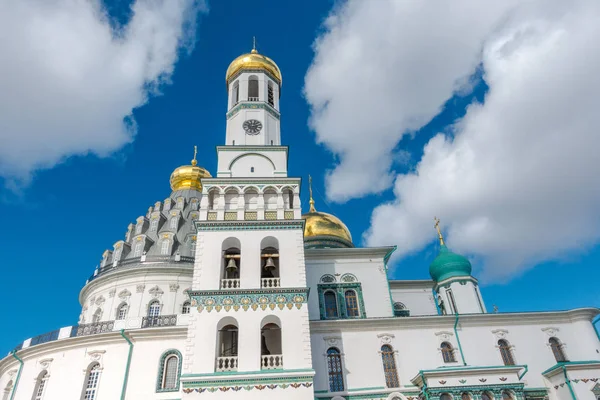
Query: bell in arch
[
  {"x": 270, "y": 264},
  {"x": 231, "y": 266}
]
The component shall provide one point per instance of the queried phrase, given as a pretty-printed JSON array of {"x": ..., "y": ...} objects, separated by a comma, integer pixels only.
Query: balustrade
[
  {"x": 270, "y": 282},
  {"x": 271, "y": 361},
  {"x": 94, "y": 328},
  {"x": 159, "y": 320},
  {"x": 230, "y": 283},
  {"x": 228, "y": 363}
]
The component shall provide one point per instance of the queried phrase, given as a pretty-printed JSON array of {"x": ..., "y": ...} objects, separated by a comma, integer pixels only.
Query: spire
[
  {"x": 437, "y": 226},
  {"x": 254, "y": 45},
  {"x": 312, "y": 202},
  {"x": 194, "y": 162}
]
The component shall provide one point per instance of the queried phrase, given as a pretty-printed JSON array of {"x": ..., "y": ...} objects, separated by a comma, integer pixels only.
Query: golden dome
[
  {"x": 189, "y": 176},
  {"x": 323, "y": 229},
  {"x": 253, "y": 60}
]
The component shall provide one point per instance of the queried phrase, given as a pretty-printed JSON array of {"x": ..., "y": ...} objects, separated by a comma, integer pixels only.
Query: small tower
[{"x": 457, "y": 291}]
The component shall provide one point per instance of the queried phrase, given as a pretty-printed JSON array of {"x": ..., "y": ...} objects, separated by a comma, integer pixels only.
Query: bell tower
[{"x": 249, "y": 326}]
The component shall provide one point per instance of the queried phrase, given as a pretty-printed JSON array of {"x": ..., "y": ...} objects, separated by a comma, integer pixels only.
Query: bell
[
  {"x": 231, "y": 267},
  {"x": 270, "y": 264}
]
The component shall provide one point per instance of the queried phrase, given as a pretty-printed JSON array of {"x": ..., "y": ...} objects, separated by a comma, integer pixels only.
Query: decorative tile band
[
  {"x": 253, "y": 106},
  {"x": 248, "y": 384},
  {"x": 248, "y": 299},
  {"x": 208, "y": 226}
]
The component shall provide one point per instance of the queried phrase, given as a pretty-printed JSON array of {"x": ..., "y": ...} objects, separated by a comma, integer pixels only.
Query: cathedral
[{"x": 226, "y": 290}]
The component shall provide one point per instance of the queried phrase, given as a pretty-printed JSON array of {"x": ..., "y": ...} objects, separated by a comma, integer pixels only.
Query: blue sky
[{"x": 60, "y": 222}]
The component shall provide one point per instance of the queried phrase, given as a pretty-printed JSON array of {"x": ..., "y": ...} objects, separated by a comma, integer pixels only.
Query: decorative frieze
[
  {"x": 248, "y": 384},
  {"x": 248, "y": 299}
]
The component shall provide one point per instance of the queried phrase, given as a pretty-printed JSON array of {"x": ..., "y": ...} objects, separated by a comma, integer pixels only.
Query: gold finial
[
  {"x": 437, "y": 226},
  {"x": 194, "y": 162},
  {"x": 311, "y": 202},
  {"x": 254, "y": 45}
]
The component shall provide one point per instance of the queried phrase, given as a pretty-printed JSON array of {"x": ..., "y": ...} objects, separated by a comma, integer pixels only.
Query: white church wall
[
  {"x": 417, "y": 296},
  {"x": 230, "y": 156}
]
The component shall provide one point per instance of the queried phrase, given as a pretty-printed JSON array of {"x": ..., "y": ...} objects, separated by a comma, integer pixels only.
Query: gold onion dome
[
  {"x": 323, "y": 229},
  {"x": 189, "y": 176},
  {"x": 253, "y": 60}
]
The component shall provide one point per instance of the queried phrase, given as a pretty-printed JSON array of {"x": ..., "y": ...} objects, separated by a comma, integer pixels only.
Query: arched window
[
  {"x": 447, "y": 352},
  {"x": 389, "y": 366},
  {"x": 270, "y": 347},
  {"x": 211, "y": 198},
  {"x": 270, "y": 97},
  {"x": 154, "y": 308},
  {"x": 331, "y": 307},
  {"x": 164, "y": 247},
  {"x": 351, "y": 303},
  {"x": 185, "y": 309},
  {"x": 154, "y": 224},
  {"x": 139, "y": 247},
  {"x": 445, "y": 396},
  {"x": 122, "y": 311},
  {"x": 487, "y": 396},
  {"x": 335, "y": 371},
  {"x": 7, "y": 390},
  {"x": 40, "y": 385},
  {"x": 506, "y": 352},
  {"x": 90, "y": 388},
  {"x": 269, "y": 261},
  {"x": 253, "y": 88},
  {"x": 173, "y": 223},
  {"x": 235, "y": 93},
  {"x": 465, "y": 396},
  {"x": 169, "y": 371},
  {"x": 558, "y": 350},
  {"x": 138, "y": 228},
  {"x": 227, "y": 342},
  {"x": 97, "y": 315}
]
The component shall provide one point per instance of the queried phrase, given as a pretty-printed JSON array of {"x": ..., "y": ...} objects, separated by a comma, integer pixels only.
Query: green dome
[{"x": 448, "y": 265}]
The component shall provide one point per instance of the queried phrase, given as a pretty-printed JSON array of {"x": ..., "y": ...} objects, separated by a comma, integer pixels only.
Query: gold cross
[
  {"x": 437, "y": 226},
  {"x": 311, "y": 202},
  {"x": 194, "y": 162}
]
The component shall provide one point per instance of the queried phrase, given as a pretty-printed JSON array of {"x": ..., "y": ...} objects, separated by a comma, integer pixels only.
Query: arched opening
[
  {"x": 558, "y": 350},
  {"x": 235, "y": 93},
  {"x": 351, "y": 303},
  {"x": 465, "y": 396},
  {"x": 170, "y": 372},
  {"x": 122, "y": 311},
  {"x": 97, "y": 315},
  {"x": 186, "y": 307},
  {"x": 269, "y": 262},
  {"x": 270, "y": 96},
  {"x": 231, "y": 264},
  {"x": 212, "y": 195},
  {"x": 270, "y": 346},
  {"x": 40, "y": 385},
  {"x": 251, "y": 199},
  {"x": 487, "y": 395},
  {"x": 90, "y": 388},
  {"x": 231, "y": 200},
  {"x": 507, "y": 395},
  {"x": 270, "y": 196},
  {"x": 288, "y": 199},
  {"x": 506, "y": 352},
  {"x": 447, "y": 352},
  {"x": 331, "y": 306},
  {"x": 335, "y": 370},
  {"x": 227, "y": 345},
  {"x": 253, "y": 88},
  {"x": 389, "y": 366}
]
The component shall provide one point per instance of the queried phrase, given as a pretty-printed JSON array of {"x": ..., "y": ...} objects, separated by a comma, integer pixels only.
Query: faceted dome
[
  {"x": 448, "y": 265},
  {"x": 253, "y": 60}
]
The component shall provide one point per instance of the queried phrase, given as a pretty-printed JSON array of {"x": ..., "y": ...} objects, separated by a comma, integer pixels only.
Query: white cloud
[
  {"x": 69, "y": 82},
  {"x": 518, "y": 184}
]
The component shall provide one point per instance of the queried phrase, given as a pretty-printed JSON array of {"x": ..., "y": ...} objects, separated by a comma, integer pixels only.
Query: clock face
[{"x": 252, "y": 126}]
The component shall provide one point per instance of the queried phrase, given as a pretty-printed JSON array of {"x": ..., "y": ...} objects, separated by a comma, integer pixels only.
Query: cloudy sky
[{"x": 483, "y": 115}]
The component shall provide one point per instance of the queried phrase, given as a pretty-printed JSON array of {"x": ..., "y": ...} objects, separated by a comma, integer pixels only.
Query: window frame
[
  {"x": 558, "y": 349},
  {"x": 40, "y": 385},
  {"x": 123, "y": 306},
  {"x": 186, "y": 304},
  {"x": 506, "y": 352},
  {"x": 162, "y": 376},
  {"x": 92, "y": 377},
  {"x": 335, "y": 370},
  {"x": 390, "y": 369},
  {"x": 154, "y": 305},
  {"x": 340, "y": 289},
  {"x": 448, "y": 355}
]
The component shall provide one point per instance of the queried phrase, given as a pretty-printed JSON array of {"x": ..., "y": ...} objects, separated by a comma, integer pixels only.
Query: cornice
[
  {"x": 413, "y": 284},
  {"x": 138, "y": 270},
  {"x": 249, "y": 225},
  {"x": 466, "y": 320},
  {"x": 246, "y": 148},
  {"x": 318, "y": 253}
]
